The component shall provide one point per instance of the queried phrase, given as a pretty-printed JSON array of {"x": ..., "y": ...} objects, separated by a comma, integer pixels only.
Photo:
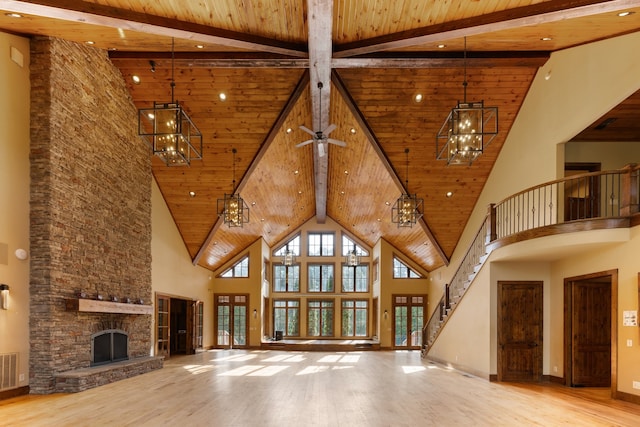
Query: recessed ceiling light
[
  {"x": 289, "y": 130},
  {"x": 253, "y": 203},
  {"x": 136, "y": 79},
  {"x": 13, "y": 15},
  {"x": 546, "y": 39},
  {"x": 222, "y": 96},
  {"x": 418, "y": 97},
  {"x": 352, "y": 130},
  {"x": 299, "y": 191},
  {"x": 623, "y": 14},
  {"x": 442, "y": 46},
  {"x": 342, "y": 192},
  {"x": 199, "y": 46},
  {"x": 387, "y": 203},
  {"x": 346, "y": 172},
  {"x": 296, "y": 172},
  {"x": 90, "y": 42},
  {"x": 192, "y": 193},
  {"x": 449, "y": 193}
]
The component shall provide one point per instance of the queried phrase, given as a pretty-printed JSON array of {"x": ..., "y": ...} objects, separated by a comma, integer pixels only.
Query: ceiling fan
[{"x": 321, "y": 137}]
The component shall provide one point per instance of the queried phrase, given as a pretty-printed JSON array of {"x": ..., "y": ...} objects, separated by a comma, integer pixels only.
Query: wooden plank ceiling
[{"x": 372, "y": 59}]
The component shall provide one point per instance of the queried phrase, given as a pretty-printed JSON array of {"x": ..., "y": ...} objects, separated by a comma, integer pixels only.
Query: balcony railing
[{"x": 591, "y": 196}]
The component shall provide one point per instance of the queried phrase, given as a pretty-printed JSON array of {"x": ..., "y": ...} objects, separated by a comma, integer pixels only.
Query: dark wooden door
[
  {"x": 591, "y": 333},
  {"x": 520, "y": 331}
]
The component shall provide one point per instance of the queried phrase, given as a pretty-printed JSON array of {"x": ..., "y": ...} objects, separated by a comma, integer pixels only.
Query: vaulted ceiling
[{"x": 372, "y": 58}]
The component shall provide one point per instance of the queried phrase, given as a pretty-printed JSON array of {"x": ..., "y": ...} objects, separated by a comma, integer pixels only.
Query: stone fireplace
[{"x": 90, "y": 220}]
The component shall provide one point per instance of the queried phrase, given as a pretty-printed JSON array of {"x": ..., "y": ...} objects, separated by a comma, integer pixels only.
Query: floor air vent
[{"x": 8, "y": 371}]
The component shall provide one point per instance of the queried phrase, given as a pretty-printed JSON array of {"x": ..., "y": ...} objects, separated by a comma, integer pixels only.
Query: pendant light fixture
[
  {"x": 469, "y": 127},
  {"x": 169, "y": 130},
  {"x": 289, "y": 258},
  {"x": 232, "y": 209},
  {"x": 352, "y": 258},
  {"x": 408, "y": 209}
]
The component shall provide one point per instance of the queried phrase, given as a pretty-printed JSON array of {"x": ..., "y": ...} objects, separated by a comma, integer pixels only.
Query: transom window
[
  {"x": 347, "y": 247},
  {"x": 286, "y": 278},
  {"x": 286, "y": 317},
  {"x": 403, "y": 271},
  {"x": 354, "y": 318},
  {"x": 320, "y": 318},
  {"x": 239, "y": 269},
  {"x": 321, "y": 278},
  {"x": 293, "y": 245},
  {"x": 321, "y": 244},
  {"x": 355, "y": 279}
]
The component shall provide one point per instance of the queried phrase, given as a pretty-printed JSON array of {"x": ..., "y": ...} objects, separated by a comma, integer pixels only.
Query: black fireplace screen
[{"x": 109, "y": 346}]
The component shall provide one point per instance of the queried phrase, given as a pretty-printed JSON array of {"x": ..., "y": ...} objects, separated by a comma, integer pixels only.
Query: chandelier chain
[
  {"x": 464, "y": 83},
  {"x": 233, "y": 190},
  {"x": 173, "y": 80}
]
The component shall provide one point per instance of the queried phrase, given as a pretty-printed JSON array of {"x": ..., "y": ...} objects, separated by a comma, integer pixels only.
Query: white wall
[{"x": 14, "y": 198}]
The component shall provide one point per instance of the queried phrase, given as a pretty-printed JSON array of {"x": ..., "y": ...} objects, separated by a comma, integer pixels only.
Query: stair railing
[{"x": 597, "y": 195}]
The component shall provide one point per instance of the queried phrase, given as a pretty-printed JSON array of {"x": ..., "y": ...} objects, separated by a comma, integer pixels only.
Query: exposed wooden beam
[
  {"x": 373, "y": 140},
  {"x": 320, "y": 19},
  {"x": 97, "y": 14},
  {"x": 531, "y": 59},
  {"x": 384, "y": 60},
  {"x": 538, "y": 13},
  {"x": 295, "y": 95}
]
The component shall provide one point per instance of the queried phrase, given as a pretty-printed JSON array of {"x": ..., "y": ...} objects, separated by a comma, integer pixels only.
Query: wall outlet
[
  {"x": 636, "y": 384},
  {"x": 21, "y": 377},
  {"x": 629, "y": 343},
  {"x": 555, "y": 369}
]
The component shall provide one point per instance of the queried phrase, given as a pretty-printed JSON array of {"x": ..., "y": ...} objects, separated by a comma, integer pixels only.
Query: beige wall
[
  {"x": 390, "y": 286},
  {"x": 610, "y": 155},
  {"x": 465, "y": 341},
  {"x": 251, "y": 285},
  {"x": 172, "y": 272},
  {"x": 623, "y": 257},
  {"x": 14, "y": 198},
  {"x": 583, "y": 84}
]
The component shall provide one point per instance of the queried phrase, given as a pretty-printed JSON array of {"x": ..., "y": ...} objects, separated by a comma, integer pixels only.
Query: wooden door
[
  {"x": 408, "y": 320},
  {"x": 520, "y": 331},
  {"x": 198, "y": 325},
  {"x": 162, "y": 325},
  {"x": 232, "y": 320},
  {"x": 591, "y": 333}
]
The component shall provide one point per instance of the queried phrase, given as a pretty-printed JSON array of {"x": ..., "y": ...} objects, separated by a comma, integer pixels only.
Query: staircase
[
  {"x": 471, "y": 264},
  {"x": 541, "y": 211}
]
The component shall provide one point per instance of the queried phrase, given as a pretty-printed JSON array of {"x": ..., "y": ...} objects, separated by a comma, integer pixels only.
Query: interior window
[
  {"x": 403, "y": 271},
  {"x": 321, "y": 244},
  {"x": 239, "y": 269}
]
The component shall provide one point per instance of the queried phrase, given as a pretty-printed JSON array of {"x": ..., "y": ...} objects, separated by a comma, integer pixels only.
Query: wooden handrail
[{"x": 628, "y": 192}]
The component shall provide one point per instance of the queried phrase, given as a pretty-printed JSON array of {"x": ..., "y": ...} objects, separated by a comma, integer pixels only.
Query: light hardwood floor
[{"x": 277, "y": 388}]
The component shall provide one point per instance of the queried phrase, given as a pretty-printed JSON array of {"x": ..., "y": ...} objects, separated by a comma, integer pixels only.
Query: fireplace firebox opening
[{"x": 108, "y": 346}]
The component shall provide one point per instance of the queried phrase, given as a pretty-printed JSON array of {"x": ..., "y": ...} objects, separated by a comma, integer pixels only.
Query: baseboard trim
[
  {"x": 14, "y": 392},
  {"x": 627, "y": 397}
]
